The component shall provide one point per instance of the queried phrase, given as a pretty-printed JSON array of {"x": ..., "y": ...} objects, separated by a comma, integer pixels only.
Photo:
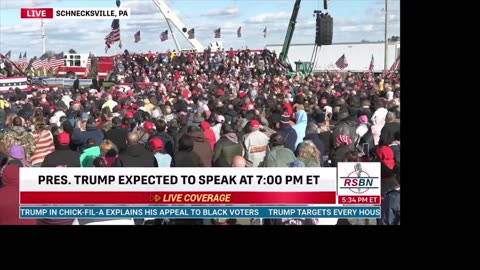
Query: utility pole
[
  {"x": 43, "y": 36},
  {"x": 386, "y": 37}
]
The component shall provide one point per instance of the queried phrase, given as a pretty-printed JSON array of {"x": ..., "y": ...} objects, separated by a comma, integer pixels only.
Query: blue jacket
[
  {"x": 79, "y": 138},
  {"x": 300, "y": 127}
]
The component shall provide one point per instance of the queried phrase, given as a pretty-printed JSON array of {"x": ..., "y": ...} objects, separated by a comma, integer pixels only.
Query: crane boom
[
  {"x": 288, "y": 36},
  {"x": 170, "y": 16}
]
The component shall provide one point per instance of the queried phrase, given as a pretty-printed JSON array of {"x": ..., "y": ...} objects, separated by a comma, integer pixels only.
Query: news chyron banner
[
  {"x": 200, "y": 192},
  {"x": 75, "y": 13}
]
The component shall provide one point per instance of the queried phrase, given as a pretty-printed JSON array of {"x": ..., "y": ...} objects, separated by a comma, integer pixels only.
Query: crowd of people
[{"x": 224, "y": 109}]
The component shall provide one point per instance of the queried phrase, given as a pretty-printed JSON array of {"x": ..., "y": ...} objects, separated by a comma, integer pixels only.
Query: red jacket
[
  {"x": 9, "y": 199},
  {"x": 208, "y": 132}
]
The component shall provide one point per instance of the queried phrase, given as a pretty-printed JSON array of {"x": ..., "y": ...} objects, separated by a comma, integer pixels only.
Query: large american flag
[
  {"x": 164, "y": 36},
  {"x": 239, "y": 32},
  {"x": 396, "y": 65},
  {"x": 217, "y": 33},
  {"x": 342, "y": 62},
  {"x": 114, "y": 35},
  {"x": 372, "y": 63},
  {"x": 191, "y": 33},
  {"x": 41, "y": 62},
  {"x": 57, "y": 61}
]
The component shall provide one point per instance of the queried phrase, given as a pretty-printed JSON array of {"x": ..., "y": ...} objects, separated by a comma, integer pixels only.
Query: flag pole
[
  {"x": 173, "y": 35},
  {"x": 386, "y": 37},
  {"x": 43, "y": 35}
]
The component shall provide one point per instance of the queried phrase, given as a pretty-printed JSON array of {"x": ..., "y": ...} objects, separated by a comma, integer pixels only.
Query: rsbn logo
[{"x": 358, "y": 181}]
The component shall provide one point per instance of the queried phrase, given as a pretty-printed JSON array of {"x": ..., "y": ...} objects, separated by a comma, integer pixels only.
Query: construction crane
[
  {"x": 304, "y": 68},
  {"x": 283, "y": 56},
  {"x": 172, "y": 18}
]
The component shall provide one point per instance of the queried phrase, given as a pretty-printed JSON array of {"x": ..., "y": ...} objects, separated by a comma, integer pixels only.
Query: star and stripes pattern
[{"x": 342, "y": 62}]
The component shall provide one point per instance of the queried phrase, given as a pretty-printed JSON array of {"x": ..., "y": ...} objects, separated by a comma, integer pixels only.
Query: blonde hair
[
  {"x": 39, "y": 123},
  {"x": 9, "y": 119},
  {"x": 308, "y": 150},
  {"x": 107, "y": 146}
]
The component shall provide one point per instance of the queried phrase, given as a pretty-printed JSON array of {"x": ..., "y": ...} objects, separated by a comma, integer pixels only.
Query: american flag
[
  {"x": 164, "y": 36},
  {"x": 40, "y": 62},
  {"x": 22, "y": 61},
  {"x": 371, "y": 64},
  {"x": 239, "y": 32},
  {"x": 137, "y": 37},
  {"x": 191, "y": 33},
  {"x": 57, "y": 61},
  {"x": 265, "y": 32},
  {"x": 217, "y": 33},
  {"x": 342, "y": 62},
  {"x": 88, "y": 66},
  {"x": 114, "y": 35},
  {"x": 396, "y": 65}
]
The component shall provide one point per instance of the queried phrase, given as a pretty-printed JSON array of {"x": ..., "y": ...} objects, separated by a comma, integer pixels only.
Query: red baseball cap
[
  {"x": 254, "y": 124},
  {"x": 148, "y": 126},
  {"x": 242, "y": 94},
  {"x": 63, "y": 138},
  {"x": 130, "y": 93},
  {"x": 220, "y": 92},
  {"x": 129, "y": 115},
  {"x": 156, "y": 144}
]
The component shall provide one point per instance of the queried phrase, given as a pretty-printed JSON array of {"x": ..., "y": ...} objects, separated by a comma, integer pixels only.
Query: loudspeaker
[{"x": 324, "y": 33}]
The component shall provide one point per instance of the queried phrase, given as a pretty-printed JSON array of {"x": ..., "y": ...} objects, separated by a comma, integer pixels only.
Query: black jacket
[
  {"x": 347, "y": 126},
  {"x": 118, "y": 136},
  {"x": 186, "y": 159},
  {"x": 62, "y": 157},
  {"x": 326, "y": 138},
  {"x": 175, "y": 134},
  {"x": 137, "y": 156},
  {"x": 289, "y": 135},
  {"x": 391, "y": 208},
  {"x": 338, "y": 154},
  {"x": 387, "y": 136}
]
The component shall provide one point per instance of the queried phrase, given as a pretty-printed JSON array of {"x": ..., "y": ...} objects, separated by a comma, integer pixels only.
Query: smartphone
[{"x": 366, "y": 149}]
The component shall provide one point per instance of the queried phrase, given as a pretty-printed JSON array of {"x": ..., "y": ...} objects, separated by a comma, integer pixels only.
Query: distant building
[{"x": 358, "y": 55}]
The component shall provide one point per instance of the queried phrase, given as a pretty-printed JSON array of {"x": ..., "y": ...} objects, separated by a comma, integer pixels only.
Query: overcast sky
[{"x": 354, "y": 20}]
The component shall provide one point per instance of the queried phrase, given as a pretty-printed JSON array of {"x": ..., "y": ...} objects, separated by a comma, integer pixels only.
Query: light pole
[
  {"x": 43, "y": 36},
  {"x": 386, "y": 37}
]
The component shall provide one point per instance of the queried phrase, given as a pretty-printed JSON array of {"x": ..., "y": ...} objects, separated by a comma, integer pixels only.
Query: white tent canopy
[{"x": 358, "y": 55}]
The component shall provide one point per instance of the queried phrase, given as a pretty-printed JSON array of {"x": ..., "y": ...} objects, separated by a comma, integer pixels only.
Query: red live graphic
[{"x": 36, "y": 13}]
